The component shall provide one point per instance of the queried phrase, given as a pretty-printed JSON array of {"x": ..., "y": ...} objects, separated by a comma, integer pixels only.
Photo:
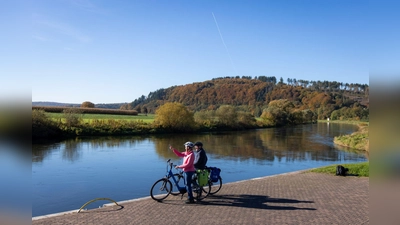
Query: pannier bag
[
  {"x": 202, "y": 176},
  {"x": 214, "y": 175}
]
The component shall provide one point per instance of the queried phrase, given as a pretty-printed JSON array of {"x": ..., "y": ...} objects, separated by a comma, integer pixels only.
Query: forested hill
[{"x": 254, "y": 94}]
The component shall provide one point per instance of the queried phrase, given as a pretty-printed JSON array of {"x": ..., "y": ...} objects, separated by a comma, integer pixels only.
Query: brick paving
[{"x": 293, "y": 198}]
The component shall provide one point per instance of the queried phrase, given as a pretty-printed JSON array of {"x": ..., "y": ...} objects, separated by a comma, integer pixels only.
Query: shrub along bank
[
  {"x": 358, "y": 140},
  {"x": 169, "y": 118}
]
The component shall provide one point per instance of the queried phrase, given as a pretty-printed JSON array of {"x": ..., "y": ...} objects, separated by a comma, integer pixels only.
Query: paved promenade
[{"x": 293, "y": 198}]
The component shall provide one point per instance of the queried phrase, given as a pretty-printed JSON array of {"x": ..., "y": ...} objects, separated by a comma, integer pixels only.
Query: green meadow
[{"x": 87, "y": 118}]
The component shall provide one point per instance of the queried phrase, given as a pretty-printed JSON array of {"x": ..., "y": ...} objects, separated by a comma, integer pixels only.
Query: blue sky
[{"x": 73, "y": 51}]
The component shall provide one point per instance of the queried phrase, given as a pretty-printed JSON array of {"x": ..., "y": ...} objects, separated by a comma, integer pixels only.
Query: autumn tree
[
  {"x": 205, "y": 118},
  {"x": 296, "y": 117},
  {"x": 87, "y": 104},
  {"x": 354, "y": 113},
  {"x": 227, "y": 115},
  {"x": 246, "y": 119},
  {"x": 308, "y": 115},
  {"x": 278, "y": 113},
  {"x": 271, "y": 116},
  {"x": 335, "y": 115},
  {"x": 174, "y": 116}
]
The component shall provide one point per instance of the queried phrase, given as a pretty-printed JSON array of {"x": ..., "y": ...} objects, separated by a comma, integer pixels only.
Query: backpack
[
  {"x": 214, "y": 175},
  {"x": 202, "y": 176},
  {"x": 341, "y": 170}
]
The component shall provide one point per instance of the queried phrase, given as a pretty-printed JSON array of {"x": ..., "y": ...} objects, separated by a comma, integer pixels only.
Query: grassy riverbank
[
  {"x": 355, "y": 169},
  {"x": 88, "y": 118},
  {"x": 358, "y": 140}
]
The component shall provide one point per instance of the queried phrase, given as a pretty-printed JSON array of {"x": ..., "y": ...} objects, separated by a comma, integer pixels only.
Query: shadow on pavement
[{"x": 254, "y": 201}]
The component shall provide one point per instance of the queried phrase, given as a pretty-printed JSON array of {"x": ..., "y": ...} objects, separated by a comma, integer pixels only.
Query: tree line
[{"x": 254, "y": 94}]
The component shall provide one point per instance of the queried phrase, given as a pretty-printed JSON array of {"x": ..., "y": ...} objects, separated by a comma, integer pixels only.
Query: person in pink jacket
[{"x": 187, "y": 167}]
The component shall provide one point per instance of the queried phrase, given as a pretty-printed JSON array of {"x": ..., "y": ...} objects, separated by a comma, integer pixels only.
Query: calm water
[{"x": 68, "y": 174}]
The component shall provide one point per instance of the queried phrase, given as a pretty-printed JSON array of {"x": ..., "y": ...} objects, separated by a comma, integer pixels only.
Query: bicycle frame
[{"x": 170, "y": 174}]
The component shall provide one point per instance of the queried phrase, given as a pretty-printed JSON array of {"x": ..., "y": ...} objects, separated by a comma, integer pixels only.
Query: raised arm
[{"x": 178, "y": 153}]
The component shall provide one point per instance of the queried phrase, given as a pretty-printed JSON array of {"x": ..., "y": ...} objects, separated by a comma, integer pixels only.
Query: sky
[{"x": 105, "y": 51}]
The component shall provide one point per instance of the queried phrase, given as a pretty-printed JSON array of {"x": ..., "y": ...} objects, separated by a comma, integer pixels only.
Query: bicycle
[
  {"x": 214, "y": 183},
  {"x": 162, "y": 188}
]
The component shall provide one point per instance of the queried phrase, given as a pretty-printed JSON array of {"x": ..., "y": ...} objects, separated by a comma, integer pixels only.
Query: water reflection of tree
[
  {"x": 221, "y": 144},
  {"x": 40, "y": 152},
  {"x": 283, "y": 144},
  {"x": 288, "y": 144},
  {"x": 71, "y": 148},
  {"x": 162, "y": 145}
]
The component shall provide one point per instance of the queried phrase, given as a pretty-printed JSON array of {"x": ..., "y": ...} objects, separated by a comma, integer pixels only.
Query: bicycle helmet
[
  {"x": 198, "y": 143},
  {"x": 190, "y": 144}
]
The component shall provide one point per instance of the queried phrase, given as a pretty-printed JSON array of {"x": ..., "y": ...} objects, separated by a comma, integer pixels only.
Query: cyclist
[
  {"x": 200, "y": 160},
  {"x": 187, "y": 167}
]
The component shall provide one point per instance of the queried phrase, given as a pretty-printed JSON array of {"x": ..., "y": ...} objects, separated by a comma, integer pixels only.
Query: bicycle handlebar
[{"x": 171, "y": 164}]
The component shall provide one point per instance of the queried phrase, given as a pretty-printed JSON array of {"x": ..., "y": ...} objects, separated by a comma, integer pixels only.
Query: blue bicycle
[{"x": 163, "y": 187}]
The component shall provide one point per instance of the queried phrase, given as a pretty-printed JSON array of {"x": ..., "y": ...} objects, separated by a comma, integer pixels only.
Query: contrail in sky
[{"x": 223, "y": 42}]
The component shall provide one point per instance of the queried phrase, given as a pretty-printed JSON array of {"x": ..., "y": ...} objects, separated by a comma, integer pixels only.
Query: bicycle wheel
[
  {"x": 161, "y": 189},
  {"x": 181, "y": 182},
  {"x": 215, "y": 186},
  {"x": 200, "y": 193}
]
